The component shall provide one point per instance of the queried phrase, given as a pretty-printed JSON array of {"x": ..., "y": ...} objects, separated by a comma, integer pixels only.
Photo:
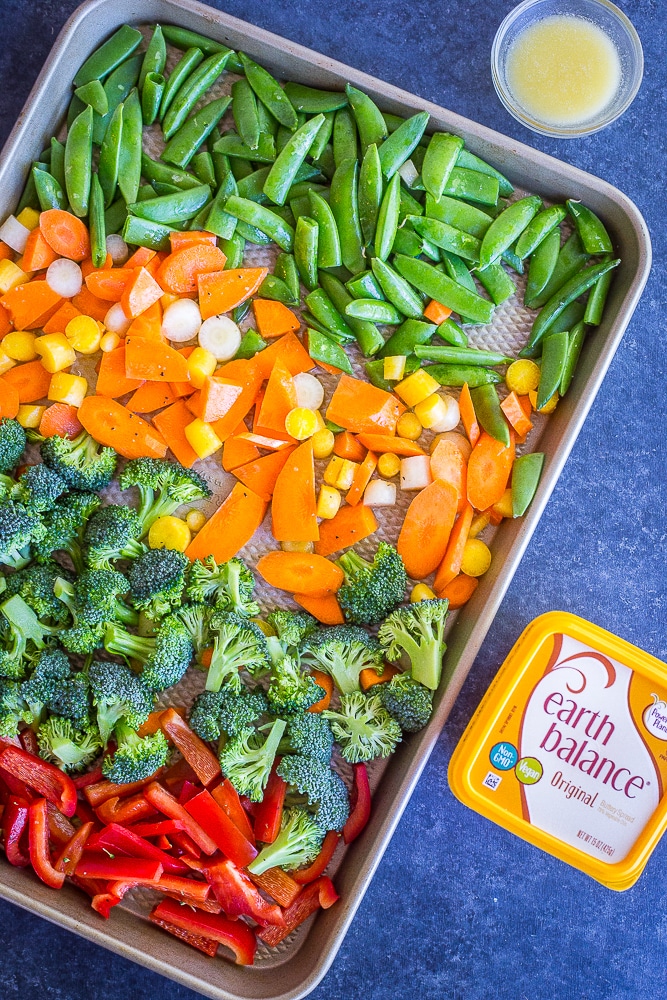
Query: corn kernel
[
  {"x": 479, "y": 523},
  {"x": 333, "y": 470},
  {"x": 5, "y": 362},
  {"x": 389, "y": 465},
  {"x": 394, "y": 367},
  {"x": 169, "y": 532},
  {"x": 30, "y": 414},
  {"x": 65, "y": 388},
  {"x": 421, "y": 593},
  {"x": 431, "y": 411},
  {"x": 416, "y": 387},
  {"x": 323, "y": 443},
  {"x": 201, "y": 364},
  {"x": 476, "y": 557},
  {"x": 409, "y": 426},
  {"x": 11, "y": 276},
  {"x": 548, "y": 407},
  {"x": 20, "y": 345},
  {"x": 328, "y": 502},
  {"x": 195, "y": 520},
  {"x": 522, "y": 376},
  {"x": 346, "y": 474},
  {"x": 83, "y": 334},
  {"x": 55, "y": 351},
  {"x": 203, "y": 439},
  {"x": 109, "y": 342},
  {"x": 28, "y": 217},
  {"x": 504, "y": 505},
  {"x": 297, "y": 546},
  {"x": 301, "y": 423},
  {"x": 264, "y": 627}
]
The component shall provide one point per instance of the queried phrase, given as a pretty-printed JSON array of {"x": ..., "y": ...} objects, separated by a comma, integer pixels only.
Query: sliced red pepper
[
  {"x": 91, "y": 886},
  {"x": 228, "y": 799},
  {"x": 317, "y": 867},
  {"x": 360, "y": 804},
  {"x": 186, "y": 845},
  {"x": 162, "y": 827},
  {"x": 320, "y": 893},
  {"x": 238, "y": 895},
  {"x": 69, "y": 857},
  {"x": 165, "y": 802},
  {"x": 179, "y": 772},
  {"x": 38, "y": 839},
  {"x": 130, "y": 810},
  {"x": 104, "y": 790},
  {"x": 118, "y": 868},
  {"x": 91, "y": 778},
  {"x": 234, "y": 934},
  {"x": 85, "y": 814},
  {"x": 187, "y": 792},
  {"x": 60, "y": 828},
  {"x": 163, "y": 842},
  {"x": 29, "y": 742},
  {"x": 116, "y": 839},
  {"x": 269, "y": 811},
  {"x": 15, "y": 831},
  {"x": 207, "y": 945},
  {"x": 202, "y": 761},
  {"x": 45, "y": 778},
  {"x": 170, "y": 885},
  {"x": 104, "y": 902},
  {"x": 222, "y": 831},
  {"x": 277, "y": 884}
]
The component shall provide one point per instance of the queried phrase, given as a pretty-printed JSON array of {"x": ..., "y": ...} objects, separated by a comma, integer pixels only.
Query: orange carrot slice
[
  {"x": 382, "y": 443},
  {"x": 325, "y": 681},
  {"x": 449, "y": 466},
  {"x": 303, "y": 571},
  {"x": 109, "y": 284},
  {"x": 362, "y": 477},
  {"x": 237, "y": 452},
  {"x": 362, "y": 408},
  {"x": 154, "y": 362},
  {"x": 216, "y": 398},
  {"x": 148, "y": 325},
  {"x": 291, "y": 353},
  {"x": 193, "y": 238},
  {"x": 346, "y": 445},
  {"x": 368, "y": 677},
  {"x": 260, "y": 476},
  {"x": 65, "y": 233},
  {"x": 222, "y": 291},
  {"x": 180, "y": 389},
  {"x": 5, "y": 322},
  {"x": 87, "y": 266},
  {"x": 111, "y": 378},
  {"x": 37, "y": 253},
  {"x": 349, "y": 526},
  {"x": 423, "y": 539},
  {"x": 273, "y": 318},
  {"x": 9, "y": 399},
  {"x": 459, "y": 591},
  {"x": 489, "y": 469},
  {"x": 231, "y": 527},
  {"x": 112, "y": 424},
  {"x": 515, "y": 413},
  {"x": 468, "y": 417},
  {"x": 30, "y": 305},
  {"x": 436, "y": 312},
  {"x": 60, "y": 420},
  {"x": 451, "y": 563},
  {"x": 140, "y": 258},
  {"x": 90, "y": 305},
  {"x": 171, "y": 424},
  {"x": 140, "y": 293},
  {"x": 294, "y": 505},
  {"x": 327, "y": 610},
  {"x": 60, "y": 318},
  {"x": 6, "y": 252},
  {"x": 279, "y": 398},
  {"x": 178, "y": 272},
  {"x": 31, "y": 380},
  {"x": 151, "y": 396},
  {"x": 245, "y": 374}
]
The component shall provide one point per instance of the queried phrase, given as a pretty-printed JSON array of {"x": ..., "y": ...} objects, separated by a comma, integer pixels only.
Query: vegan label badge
[{"x": 528, "y": 770}]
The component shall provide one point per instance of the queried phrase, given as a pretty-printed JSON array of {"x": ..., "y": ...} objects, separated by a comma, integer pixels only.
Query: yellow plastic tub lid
[{"x": 568, "y": 748}]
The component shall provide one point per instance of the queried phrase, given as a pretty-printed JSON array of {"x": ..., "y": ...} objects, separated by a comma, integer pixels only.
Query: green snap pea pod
[
  {"x": 447, "y": 237},
  {"x": 315, "y": 324},
  {"x": 57, "y": 165},
  {"x": 452, "y": 333},
  {"x": 344, "y": 136},
  {"x": 487, "y": 410},
  {"x": 233, "y": 249},
  {"x": 186, "y": 141},
  {"x": 313, "y": 101},
  {"x": 472, "y": 185},
  {"x": 164, "y": 173},
  {"x": 129, "y": 168},
  {"x": 221, "y": 166},
  {"x": 326, "y": 163},
  {"x": 267, "y": 123},
  {"x": 300, "y": 206},
  {"x": 570, "y": 291},
  {"x": 526, "y": 473},
  {"x": 323, "y": 137},
  {"x": 387, "y": 224},
  {"x": 142, "y": 233},
  {"x": 510, "y": 258},
  {"x": 328, "y": 248},
  {"x": 146, "y": 192},
  {"x": 251, "y": 234},
  {"x": 98, "y": 236},
  {"x": 244, "y": 110},
  {"x": 93, "y": 93},
  {"x": 285, "y": 268},
  {"x": 443, "y": 289},
  {"x": 240, "y": 312},
  {"x": 109, "y": 161},
  {"x": 194, "y": 87},
  {"x": 232, "y": 145},
  {"x": 284, "y": 170},
  {"x": 202, "y": 166},
  {"x": 118, "y": 88},
  {"x": 459, "y": 375},
  {"x": 252, "y": 186},
  {"x": 172, "y": 208},
  {"x": 592, "y": 232},
  {"x": 458, "y": 214},
  {"x": 418, "y": 156},
  {"x": 596, "y": 298},
  {"x": 155, "y": 57},
  {"x": 462, "y": 356},
  {"x": 409, "y": 206},
  {"x": 370, "y": 123},
  {"x": 398, "y": 147},
  {"x": 151, "y": 96},
  {"x": 441, "y": 155},
  {"x": 29, "y": 197},
  {"x": 302, "y": 189},
  {"x": 325, "y": 349},
  {"x": 569, "y": 317},
  {"x": 397, "y": 290},
  {"x": 410, "y": 334},
  {"x": 219, "y": 221},
  {"x": 538, "y": 228},
  {"x": 497, "y": 282},
  {"x": 161, "y": 189},
  {"x": 506, "y": 228},
  {"x": 392, "y": 122},
  {"x": 374, "y": 310},
  {"x": 262, "y": 218},
  {"x": 276, "y": 289},
  {"x": 323, "y": 309},
  {"x": 407, "y": 242},
  {"x": 345, "y": 207},
  {"x": 181, "y": 71},
  {"x": 370, "y": 192},
  {"x": 49, "y": 192},
  {"x": 542, "y": 263},
  {"x": 76, "y": 106},
  {"x": 364, "y": 286},
  {"x": 472, "y": 162},
  {"x": 270, "y": 92},
  {"x": 115, "y": 216},
  {"x": 575, "y": 342},
  {"x": 456, "y": 269},
  {"x": 78, "y": 162},
  {"x": 251, "y": 344},
  {"x": 308, "y": 178},
  {"x": 306, "y": 238},
  {"x": 109, "y": 55},
  {"x": 375, "y": 373},
  {"x": 368, "y": 337},
  {"x": 571, "y": 259},
  {"x": 554, "y": 357},
  {"x": 240, "y": 168},
  {"x": 183, "y": 38}
]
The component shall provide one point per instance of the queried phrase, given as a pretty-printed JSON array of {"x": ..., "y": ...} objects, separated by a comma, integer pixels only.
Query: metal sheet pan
[{"x": 299, "y": 964}]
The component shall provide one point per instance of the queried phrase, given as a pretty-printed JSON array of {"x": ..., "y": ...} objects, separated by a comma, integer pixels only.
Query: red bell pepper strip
[
  {"x": 69, "y": 857},
  {"x": 38, "y": 840},
  {"x": 186, "y": 845},
  {"x": 170, "y": 885},
  {"x": 317, "y": 867},
  {"x": 115, "y": 839},
  {"x": 222, "y": 831},
  {"x": 15, "y": 830},
  {"x": 117, "y": 868},
  {"x": 85, "y": 814},
  {"x": 269, "y": 811},
  {"x": 163, "y": 842},
  {"x": 228, "y": 799},
  {"x": 320, "y": 893},
  {"x": 104, "y": 902},
  {"x": 234, "y": 934},
  {"x": 29, "y": 742},
  {"x": 60, "y": 828},
  {"x": 360, "y": 802},
  {"x": 187, "y": 792},
  {"x": 238, "y": 896},
  {"x": 165, "y": 802},
  {"x": 130, "y": 810},
  {"x": 277, "y": 884},
  {"x": 90, "y": 778},
  {"x": 103, "y": 790},
  {"x": 91, "y": 886},
  {"x": 207, "y": 945},
  {"x": 45, "y": 778},
  {"x": 202, "y": 761},
  {"x": 161, "y": 827}
]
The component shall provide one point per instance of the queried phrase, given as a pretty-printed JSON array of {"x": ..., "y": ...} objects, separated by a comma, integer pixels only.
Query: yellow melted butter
[{"x": 563, "y": 70}]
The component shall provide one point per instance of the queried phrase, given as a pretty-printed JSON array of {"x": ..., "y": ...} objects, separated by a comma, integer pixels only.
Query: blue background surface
[{"x": 459, "y": 908}]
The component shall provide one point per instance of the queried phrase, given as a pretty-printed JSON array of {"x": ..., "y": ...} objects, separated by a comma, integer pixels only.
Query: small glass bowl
[{"x": 607, "y": 17}]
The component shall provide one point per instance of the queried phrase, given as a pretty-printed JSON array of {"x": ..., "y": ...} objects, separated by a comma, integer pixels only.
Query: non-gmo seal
[{"x": 504, "y": 756}]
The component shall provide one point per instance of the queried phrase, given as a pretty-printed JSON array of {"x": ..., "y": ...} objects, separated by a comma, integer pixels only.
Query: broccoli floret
[
  {"x": 98, "y": 595},
  {"x": 229, "y": 585},
  {"x": 292, "y": 627},
  {"x": 291, "y": 690},
  {"x": 238, "y": 644},
  {"x": 418, "y": 631},
  {"x": 67, "y": 747},
  {"x": 342, "y": 651},
  {"x": 12, "y": 708},
  {"x": 71, "y": 699},
  {"x": 35, "y": 585},
  {"x": 38, "y": 488},
  {"x": 298, "y": 843},
  {"x": 111, "y": 534},
  {"x": 363, "y": 728},
  {"x": 318, "y": 786},
  {"x": 165, "y": 656},
  {"x": 309, "y": 734},
  {"x": 12, "y": 444},
  {"x": 22, "y": 632},
  {"x": 408, "y": 701},
  {"x": 86, "y": 633},
  {"x": 156, "y": 580},
  {"x": 163, "y": 486},
  {"x": 195, "y": 619},
  {"x": 65, "y": 526},
  {"x": 226, "y": 712},
  {"x": 81, "y": 461},
  {"x": 40, "y": 689},
  {"x": 118, "y": 694},
  {"x": 247, "y": 759},
  {"x": 19, "y": 529},
  {"x": 371, "y": 590},
  {"x": 136, "y": 757}
]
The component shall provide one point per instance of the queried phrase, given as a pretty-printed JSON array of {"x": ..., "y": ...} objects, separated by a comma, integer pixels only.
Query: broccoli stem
[
  {"x": 352, "y": 564},
  {"x": 117, "y": 640}
]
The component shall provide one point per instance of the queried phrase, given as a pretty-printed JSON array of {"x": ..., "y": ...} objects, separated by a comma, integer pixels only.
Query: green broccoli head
[
  {"x": 371, "y": 590},
  {"x": 156, "y": 580},
  {"x": 298, "y": 843},
  {"x": 195, "y": 619},
  {"x": 163, "y": 486},
  {"x": 21, "y": 634},
  {"x": 228, "y": 586},
  {"x": 86, "y": 633},
  {"x": 35, "y": 585},
  {"x": 418, "y": 631},
  {"x": 98, "y": 597},
  {"x": 407, "y": 701},
  {"x": 310, "y": 735},
  {"x": 314, "y": 783},
  {"x": 118, "y": 693},
  {"x": 363, "y": 728},
  {"x": 342, "y": 651},
  {"x": 70, "y": 748},
  {"x": 226, "y": 712},
  {"x": 247, "y": 759},
  {"x": 111, "y": 534},
  {"x": 292, "y": 627},
  {"x": 19, "y": 529},
  {"x": 64, "y": 528},
  {"x": 13, "y": 709},
  {"x": 165, "y": 656},
  {"x": 81, "y": 461},
  {"x": 51, "y": 668},
  {"x": 290, "y": 689},
  {"x": 12, "y": 444},
  {"x": 136, "y": 758},
  {"x": 238, "y": 644},
  {"x": 38, "y": 488},
  {"x": 71, "y": 699}
]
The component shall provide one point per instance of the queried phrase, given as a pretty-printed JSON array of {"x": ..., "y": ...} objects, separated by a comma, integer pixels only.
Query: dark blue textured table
[{"x": 459, "y": 908}]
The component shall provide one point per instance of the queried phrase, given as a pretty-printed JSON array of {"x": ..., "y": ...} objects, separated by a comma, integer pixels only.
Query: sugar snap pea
[
  {"x": 183, "y": 38},
  {"x": 326, "y": 163},
  {"x": 542, "y": 263},
  {"x": 507, "y": 227},
  {"x": 410, "y": 334},
  {"x": 452, "y": 333},
  {"x": 263, "y": 218},
  {"x": 251, "y": 234},
  {"x": 397, "y": 148},
  {"x": 57, "y": 165},
  {"x": 233, "y": 146},
  {"x": 78, "y": 162},
  {"x": 409, "y": 206},
  {"x": 370, "y": 123},
  {"x": 472, "y": 185},
  {"x": 181, "y": 71},
  {"x": 455, "y": 267},
  {"x": 284, "y": 170},
  {"x": 526, "y": 473},
  {"x": 320, "y": 145},
  {"x": 597, "y": 298},
  {"x": 115, "y": 216},
  {"x": 164, "y": 173},
  {"x": 554, "y": 357},
  {"x": 407, "y": 242},
  {"x": 186, "y": 141},
  {"x": 497, "y": 282},
  {"x": 387, "y": 223},
  {"x": 269, "y": 91},
  {"x": 592, "y": 232},
  {"x": 328, "y": 247},
  {"x": 375, "y": 373},
  {"x": 118, "y": 86},
  {"x": 368, "y": 336},
  {"x": 49, "y": 192},
  {"x": 575, "y": 343},
  {"x": 142, "y": 233},
  {"x": 244, "y": 110},
  {"x": 75, "y": 108},
  {"x": 109, "y": 55},
  {"x": 203, "y": 169},
  {"x": 569, "y": 317},
  {"x": 447, "y": 237},
  {"x": 251, "y": 344},
  {"x": 194, "y": 87},
  {"x": 323, "y": 309},
  {"x": 345, "y": 208},
  {"x": 472, "y": 162},
  {"x": 458, "y": 214},
  {"x": 233, "y": 249},
  {"x": 305, "y": 250},
  {"x": 325, "y": 349},
  {"x": 538, "y": 228},
  {"x": 97, "y": 225},
  {"x": 364, "y": 286},
  {"x": 456, "y": 376},
  {"x": 441, "y": 155},
  {"x": 397, "y": 290},
  {"x": 443, "y": 289},
  {"x": 151, "y": 96},
  {"x": 510, "y": 258},
  {"x": 313, "y": 101},
  {"x": 285, "y": 268},
  {"x": 571, "y": 259},
  {"x": 462, "y": 356},
  {"x": 218, "y": 220},
  {"x": 344, "y": 136},
  {"x": 155, "y": 57},
  {"x": 275, "y": 288},
  {"x": 370, "y": 192},
  {"x": 129, "y": 167},
  {"x": 487, "y": 410},
  {"x": 374, "y": 310},
  {"x": 169, "y": 209},
  {"x": 147, "y": 191},
  {"x": 93, "y": 93}
]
